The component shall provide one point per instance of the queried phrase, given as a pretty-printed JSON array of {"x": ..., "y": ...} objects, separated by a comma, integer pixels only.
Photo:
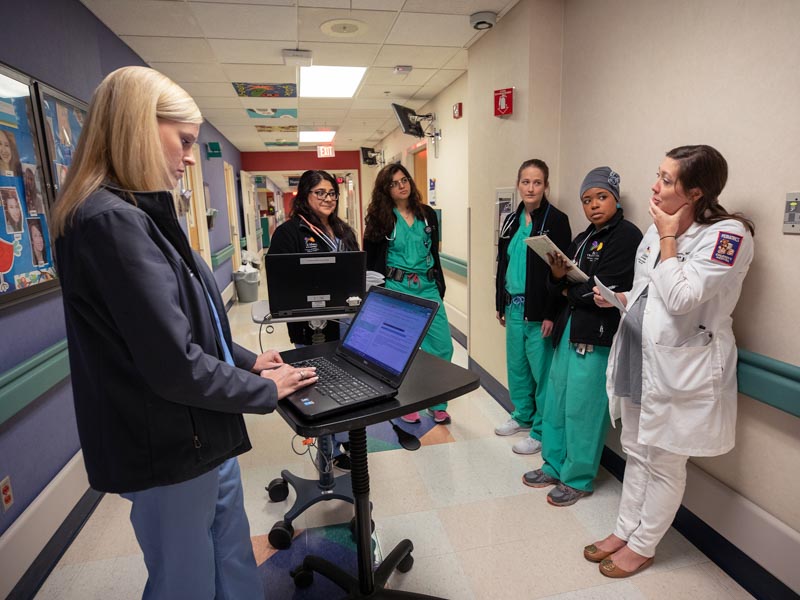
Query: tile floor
[{"x": 478, "y": 532}]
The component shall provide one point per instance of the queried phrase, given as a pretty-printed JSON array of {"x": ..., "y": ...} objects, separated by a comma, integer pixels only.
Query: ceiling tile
[
  {"x": 245, "y": 22},
  {"x": 261, "y": 2},
  {"x": 394, "y": 91},
  {"x": 209, "y": 89},
  {"x": 386, "y": 75},
  {"x": 459, "y": 61},
  {"x": 377, "y": 24},
  {"x": 205, "y": 102},
  {"x": 170, "y": 49},
  {"x": 227, "y": 116},
  {"x": 455, "y": 7},
  {"x": 330, "y": 54},
  {"x": 260, "y": 73},
  {"x": 249, "y": 51},
  {"x": 342, "y": 103},
  {"x": 370, "y": 113},
  {"x": 192, "y": 72},
  {"x": 333, "y": 114},
  {"x": 394, "y": 5},
  {"x": 268, "y": 102},
  {"x": 420, "y": 57},
  {"x": 145, "y": 17},
  {"x": 420, "y": 29}
]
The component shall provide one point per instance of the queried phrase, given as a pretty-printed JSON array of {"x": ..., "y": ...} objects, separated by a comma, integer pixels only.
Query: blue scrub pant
[{"x": 196, "y": 539}]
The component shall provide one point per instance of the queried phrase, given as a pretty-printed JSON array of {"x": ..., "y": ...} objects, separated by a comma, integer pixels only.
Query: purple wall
[{"x": 62, "y": 44}]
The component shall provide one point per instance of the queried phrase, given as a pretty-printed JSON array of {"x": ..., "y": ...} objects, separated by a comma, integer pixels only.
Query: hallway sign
[{"x": 503, "y": 102}]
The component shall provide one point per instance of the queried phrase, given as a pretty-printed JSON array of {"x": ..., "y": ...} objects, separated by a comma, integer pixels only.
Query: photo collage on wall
[{"x": 26, "y": 119}]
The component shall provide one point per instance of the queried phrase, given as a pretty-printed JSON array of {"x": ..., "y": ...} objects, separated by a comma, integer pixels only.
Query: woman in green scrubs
[{"x": 401, "y": 239}]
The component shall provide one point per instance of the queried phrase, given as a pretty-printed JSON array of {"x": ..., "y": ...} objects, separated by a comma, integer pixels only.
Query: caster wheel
[
  {"x": 353, "y": 526},
  {"x": 405, "y": 565},
  {"x": 280, "y": 536},
  {"x": 303, "y": 578},
  {"x": 278, "y": 490}
]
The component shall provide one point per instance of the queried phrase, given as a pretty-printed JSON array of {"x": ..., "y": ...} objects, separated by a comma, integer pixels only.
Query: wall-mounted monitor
[
  {"x": 369, "y": 156},
  {"x": 408, "y": 121}
]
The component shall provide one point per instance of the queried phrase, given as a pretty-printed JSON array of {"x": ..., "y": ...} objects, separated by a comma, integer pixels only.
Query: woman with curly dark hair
[{"x": 401, "y": 239}]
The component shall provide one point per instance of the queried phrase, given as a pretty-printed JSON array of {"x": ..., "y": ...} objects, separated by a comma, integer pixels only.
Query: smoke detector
[
  {"x": 483, "y": 20},
  {"x": 297, "y": 58},
  {"x": 403, "y": 69}
]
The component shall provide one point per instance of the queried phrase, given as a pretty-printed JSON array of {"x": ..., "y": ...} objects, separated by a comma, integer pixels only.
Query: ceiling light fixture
[
  {"x": 330, "y": 82},
  {"x": 297, "y": 58}
]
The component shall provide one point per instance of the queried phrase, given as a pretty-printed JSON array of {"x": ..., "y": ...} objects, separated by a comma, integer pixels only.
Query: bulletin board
[{"x": 39, "y": 131}]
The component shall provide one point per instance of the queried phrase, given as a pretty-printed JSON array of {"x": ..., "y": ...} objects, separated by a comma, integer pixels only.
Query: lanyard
[
  {"x": 428, "y": 230},
  {"x": 332, "y": 243},
  {"x": 508, "y": 224}
]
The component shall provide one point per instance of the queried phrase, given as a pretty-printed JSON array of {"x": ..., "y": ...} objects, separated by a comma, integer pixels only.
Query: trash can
[{"x": 246, "y": 285}]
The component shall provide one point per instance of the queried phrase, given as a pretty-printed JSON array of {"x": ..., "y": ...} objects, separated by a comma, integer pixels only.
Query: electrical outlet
[{"x": 6, "y": 493}]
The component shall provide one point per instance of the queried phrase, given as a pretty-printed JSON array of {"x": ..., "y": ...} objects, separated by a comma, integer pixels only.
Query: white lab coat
[{"x": 689, "y": 388}]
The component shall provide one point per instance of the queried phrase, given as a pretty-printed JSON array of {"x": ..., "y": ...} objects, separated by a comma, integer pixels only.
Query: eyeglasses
[
  {"x": 403, "y": 182},
  {"x": 322, "y": 194}
]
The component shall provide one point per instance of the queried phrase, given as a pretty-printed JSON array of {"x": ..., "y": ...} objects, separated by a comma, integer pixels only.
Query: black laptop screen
[{"x": 387, "y": 331}]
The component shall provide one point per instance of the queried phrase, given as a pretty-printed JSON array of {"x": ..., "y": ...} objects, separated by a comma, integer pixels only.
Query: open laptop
[
  {"x": 316, "y": 283},
  {"x": 373, "y": 358}
]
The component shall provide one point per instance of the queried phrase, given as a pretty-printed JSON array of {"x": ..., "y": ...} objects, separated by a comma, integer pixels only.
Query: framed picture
[
  {"x": 62, "y": 119},
  {"x": 26, "y": 256}
]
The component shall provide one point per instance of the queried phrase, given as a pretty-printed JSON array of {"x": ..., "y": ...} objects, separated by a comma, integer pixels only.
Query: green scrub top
[
  {"x": 516, "y": 272},
  {"x": 411, "y": 248}
]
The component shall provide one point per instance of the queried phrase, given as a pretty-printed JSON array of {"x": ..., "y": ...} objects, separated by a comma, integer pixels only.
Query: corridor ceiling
[{"x": 208, "y": 46}]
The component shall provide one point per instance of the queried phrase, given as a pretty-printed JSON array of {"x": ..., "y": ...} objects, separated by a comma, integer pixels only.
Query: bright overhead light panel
[
  {"x": 330, "y": 82},
  {"x": 316, "y": 137}
]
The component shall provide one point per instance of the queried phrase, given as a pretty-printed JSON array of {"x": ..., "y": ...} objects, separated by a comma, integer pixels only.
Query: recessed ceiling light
[
  {"x": 316, "y": 137},
  {"x": 330, "y": 82},
  {"x": 343, "y": 27}
]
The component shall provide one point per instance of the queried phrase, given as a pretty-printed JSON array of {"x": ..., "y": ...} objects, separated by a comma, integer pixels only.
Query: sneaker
[
  {"x": 342, "y": 462},
  {"x": 439, "y": 416},
  {"x": 538, "y": 479},
  {"x": 564, "y": 495},
  {"x": 527, "y": 446},
  {"x": 510, "y": 427},
  {"x": 411, "y": 417}
]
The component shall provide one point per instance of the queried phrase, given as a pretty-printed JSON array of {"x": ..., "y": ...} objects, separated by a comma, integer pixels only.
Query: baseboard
[
  {"x": 496, "y": 389},
  {"x": 729, "y": 529},
  {"x": 227, "y": 296},
  {"x": 27, "y": 537},
  {"x": 458, "y": 336}
]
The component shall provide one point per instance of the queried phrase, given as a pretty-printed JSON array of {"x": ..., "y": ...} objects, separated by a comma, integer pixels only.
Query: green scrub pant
[
  {"x": 438, "y": 340},
  {"x": 575, "y": 419},
  {"x": 528, "y": 357}
]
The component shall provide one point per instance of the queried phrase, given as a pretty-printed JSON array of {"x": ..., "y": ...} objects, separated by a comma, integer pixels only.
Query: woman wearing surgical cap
[
  {"x": 672, "y": 370},
  {"x": 575, "y": 416}
]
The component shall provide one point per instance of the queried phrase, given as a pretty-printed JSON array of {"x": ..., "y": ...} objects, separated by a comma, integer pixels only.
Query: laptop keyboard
[{"x": 337, "y": 383}]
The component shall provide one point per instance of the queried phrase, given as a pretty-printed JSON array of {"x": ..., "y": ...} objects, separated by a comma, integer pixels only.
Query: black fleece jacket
[
  {"x": 539, "y": 304},
  {"x": 377, "y": 250},
  {"x": 609, "y": 254},
  {"x": 293, "y": 237},
  {"x": 155, "y": 401}
]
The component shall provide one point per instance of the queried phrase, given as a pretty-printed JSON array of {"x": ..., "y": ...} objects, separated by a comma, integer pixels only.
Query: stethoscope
[
  {"x": 332, "y": 243},
  {"x": 428, "y": 229},
  {"x": 508, "y": 224}
]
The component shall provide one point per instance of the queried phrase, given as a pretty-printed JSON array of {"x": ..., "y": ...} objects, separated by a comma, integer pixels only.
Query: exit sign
[{"x": 325, "y": 152}]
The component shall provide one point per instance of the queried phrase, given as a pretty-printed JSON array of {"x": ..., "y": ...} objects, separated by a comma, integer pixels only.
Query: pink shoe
[
  {"x": 439, "y": 416},
  {"x": 411, "y": 418}
]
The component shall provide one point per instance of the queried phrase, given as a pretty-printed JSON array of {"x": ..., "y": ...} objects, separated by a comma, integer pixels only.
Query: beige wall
[
  {"x": 524, "y": 52},
  {"x": 641, "y": 77}
]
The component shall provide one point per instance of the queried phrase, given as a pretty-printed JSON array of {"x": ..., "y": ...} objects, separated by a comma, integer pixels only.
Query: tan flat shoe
[
  {"x": 609, "y": 569},
  {"x": 593, "y": 554}
]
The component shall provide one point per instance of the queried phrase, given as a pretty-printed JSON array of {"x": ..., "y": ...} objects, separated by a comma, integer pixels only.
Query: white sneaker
[
  {"x": 510, "y": 427},
  {"x": 527, "y": 446}
]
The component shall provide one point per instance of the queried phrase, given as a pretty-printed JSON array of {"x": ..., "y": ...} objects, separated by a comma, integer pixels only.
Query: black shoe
[{"x": 342, "y": 462}]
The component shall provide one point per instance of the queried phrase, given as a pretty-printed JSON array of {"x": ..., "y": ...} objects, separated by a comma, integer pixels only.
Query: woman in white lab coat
[{"x": 672, "y": 371}]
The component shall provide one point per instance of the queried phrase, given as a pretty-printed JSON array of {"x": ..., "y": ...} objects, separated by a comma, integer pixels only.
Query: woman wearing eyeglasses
[
  {"x": 313, "y": 226},
  {"x": 401, "y": 239}
]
